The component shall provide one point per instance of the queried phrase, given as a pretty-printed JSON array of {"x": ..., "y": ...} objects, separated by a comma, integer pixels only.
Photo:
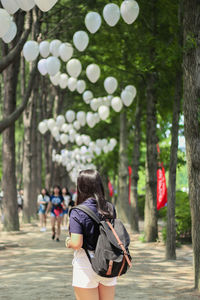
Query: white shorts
[{"x": 83, "y": 274}]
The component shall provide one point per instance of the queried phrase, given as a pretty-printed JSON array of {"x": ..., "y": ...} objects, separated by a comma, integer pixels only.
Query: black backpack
[{"x": 111, "y": 257}]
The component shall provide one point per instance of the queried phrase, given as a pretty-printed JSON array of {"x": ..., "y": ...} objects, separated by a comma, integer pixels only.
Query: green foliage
[{"x": 182, "y": 218}]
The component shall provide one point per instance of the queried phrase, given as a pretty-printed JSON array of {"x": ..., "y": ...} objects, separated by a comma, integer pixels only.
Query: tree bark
[
  {"x": 135, "y": 168},
  {"x": 11, "y": 220},
  {"x": 150, "y": 226},
  {"x": 171, "y": 226},
  {"x": 191, "y": 79},
  {"x": 122, "y": 201}
]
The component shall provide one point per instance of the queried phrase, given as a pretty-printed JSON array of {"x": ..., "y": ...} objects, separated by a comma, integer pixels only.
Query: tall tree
[{"x": 191, "y": 83}]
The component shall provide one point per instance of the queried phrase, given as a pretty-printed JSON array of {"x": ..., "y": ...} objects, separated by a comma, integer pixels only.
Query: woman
[
  {"x": 67, "y": 199},
  {"x": 56, "y": 204},
  {"x": 43, "y": 200},
  {"x": 84, "y": 231}
]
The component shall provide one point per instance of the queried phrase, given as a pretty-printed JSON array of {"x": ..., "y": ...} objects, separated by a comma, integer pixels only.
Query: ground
[{"x": 33, "y": 267}]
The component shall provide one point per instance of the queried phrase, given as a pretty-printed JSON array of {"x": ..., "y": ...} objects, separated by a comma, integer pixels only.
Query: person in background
[
  {"x": 20, "y": 199},
  {"x": 67, "y": 198},
  {"x": 56, "y": 204},
  {"x": 43, "y": 200}
]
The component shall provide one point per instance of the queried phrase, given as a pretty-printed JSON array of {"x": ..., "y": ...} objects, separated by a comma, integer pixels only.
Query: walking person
[
  {"x": 84, "y": 233},
  {"x": 56, "y": 204},
  {"x": 67, "y": 199},
  {"x": 43, "y": 200}
]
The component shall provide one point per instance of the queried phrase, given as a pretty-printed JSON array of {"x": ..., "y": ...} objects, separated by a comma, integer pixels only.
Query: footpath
[{"x": 33, "y": 267}]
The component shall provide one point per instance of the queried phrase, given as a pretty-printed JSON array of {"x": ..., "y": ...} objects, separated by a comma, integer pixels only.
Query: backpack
[{"x": 111, "y": 256}]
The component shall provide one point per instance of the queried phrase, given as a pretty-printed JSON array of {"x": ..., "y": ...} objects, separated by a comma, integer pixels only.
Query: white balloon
[
  {"x": 64, "y": 138},
  {"x": 110, "y": 84},
  {"x": 131, "y": 89},
  {"x": 72, "y": 82},
  {"x": 81, "y": 40},
  {"x": 51, "y": 123},
  {"x": 86, "y": 140},
  {"x": 129, "y": 11},
  {"x": 116, "y": 104},
  {"x": 93, "y": 22},
  {"x": 77, "y": 125},
  {"x": 81, "y": 86},
  {"x": 70, "y": 116},
  {"x": 26, "y": 5},
  {"x": 53, "y": 65},
  {"x": 74, "y": 67},
  {"x": 11, "y": 33},
  {"x": 90, "y": 119},
  {"x": 97, "y": 118},
  {"x": 111, "y": 14},
  {"x": 65, "y": 127},
  {"x": 55, "y": 79},
  {"x": 79, "y": 140},
  {"x": 81, "y": 117},
  {"x": 42, "y": 127},
  {"x": 87, "y": 96},
  {"x": 45, "y": 5},
  {"x": 113, "y": 141},
  {"x": 93, "y": 72},
  {"x": 44, "y": 49},
  {"x": 105, "y": 149},
  {"x": 98, "y": 151},
  {"x": 66, "y": 51},
  {"x": 10, "y": 6},
  {"x": 5, "y": 22},
  {"x": 63, "y": 80},
  {"x": 54, "y": 47},
  {"x": 55, "y": 131},
  {"x": 127, "y": 97},
  {"x": 104, "y": 112},
  {"x": 42, "y": 66},
  {"x": 94, "y": 104},
  {"x": 31, "y": 50},
  {"x": 60, "y": 120}
]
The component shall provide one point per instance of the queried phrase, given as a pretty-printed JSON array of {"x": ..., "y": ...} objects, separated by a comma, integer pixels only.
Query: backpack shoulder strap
[{"x": 88, "y": 211}]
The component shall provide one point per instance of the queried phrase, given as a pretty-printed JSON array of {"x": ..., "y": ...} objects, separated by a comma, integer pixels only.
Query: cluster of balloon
[
  {"x": 81, "y": 157},
  {"x": 8, "y": 28},
  {"x": 12, "y": 6}
]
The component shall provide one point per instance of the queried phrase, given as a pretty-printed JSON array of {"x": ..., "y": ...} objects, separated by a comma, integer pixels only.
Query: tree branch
[{"x": 8, "y": 121}]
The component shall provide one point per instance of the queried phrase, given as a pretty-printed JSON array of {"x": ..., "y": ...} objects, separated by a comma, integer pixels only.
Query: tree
[{"x": 191, "y": 92}]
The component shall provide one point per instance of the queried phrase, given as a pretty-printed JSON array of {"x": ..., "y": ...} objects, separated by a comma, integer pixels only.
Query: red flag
[
  {"x": 130, "y": 173},
  {"x": 161, "y": 188},
  {"x": 111, "y": 189}
]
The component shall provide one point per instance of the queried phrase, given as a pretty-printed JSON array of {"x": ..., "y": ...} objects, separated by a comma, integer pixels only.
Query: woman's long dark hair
[{"x": 89, "y": 185}]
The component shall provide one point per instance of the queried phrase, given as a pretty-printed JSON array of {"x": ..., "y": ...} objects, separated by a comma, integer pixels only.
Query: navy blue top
[
  {"x": 81, "y": 223},
  {"x": 56, "y": 202}
]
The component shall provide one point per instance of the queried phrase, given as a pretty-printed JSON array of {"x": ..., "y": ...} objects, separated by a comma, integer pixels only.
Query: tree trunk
[
  {"x": 191, "y": 71},
  {"x": 150, "y": 227},
  {"x": 136, "y": 162},
  {"x": 122, "y": 201},
  {"x": 11, "y": 220},
  {"x": 171, "y": 226}
]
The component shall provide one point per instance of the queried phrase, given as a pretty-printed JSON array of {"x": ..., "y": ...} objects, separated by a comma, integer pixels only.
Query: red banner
[
  {"x": 129, "y": 195},
  {"x": 161, "y": 188},
  {"x": 111, "y": 189}
]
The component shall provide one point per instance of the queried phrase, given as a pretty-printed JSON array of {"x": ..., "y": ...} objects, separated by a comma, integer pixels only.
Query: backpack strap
[{"x": 88, "y": 211}]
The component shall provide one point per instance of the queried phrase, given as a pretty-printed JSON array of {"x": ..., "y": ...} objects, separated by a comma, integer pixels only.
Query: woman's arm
[
  {"x": 48, "y": 207},
  {"x": 75, "y": 241}
]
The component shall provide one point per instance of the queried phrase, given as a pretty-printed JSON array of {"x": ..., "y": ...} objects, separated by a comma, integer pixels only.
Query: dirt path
[{"x": 40, "y": 269}]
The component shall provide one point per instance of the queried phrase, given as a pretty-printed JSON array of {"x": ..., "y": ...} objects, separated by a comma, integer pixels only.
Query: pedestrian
[
  {"x": 20, "y": 200},
  {"x": 67, "y": 199},
  {"x": 43, "y": 200},
  {"x": 56, "y": 204},
  {"x": 84, "y": 233}
]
